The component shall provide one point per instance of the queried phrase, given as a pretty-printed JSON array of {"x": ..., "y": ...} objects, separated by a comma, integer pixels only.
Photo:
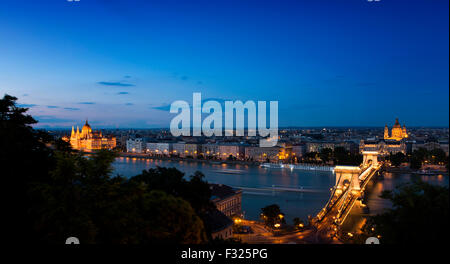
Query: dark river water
[{"x": 307, "y": 194}]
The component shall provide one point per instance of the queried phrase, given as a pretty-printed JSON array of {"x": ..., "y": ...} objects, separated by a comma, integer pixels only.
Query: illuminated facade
[
  {"x": 397, "y": 133},
  {"x": 88, "y": 139},
  {"x": 271, "y": 154},
  {"x": 384, "y": 147}
]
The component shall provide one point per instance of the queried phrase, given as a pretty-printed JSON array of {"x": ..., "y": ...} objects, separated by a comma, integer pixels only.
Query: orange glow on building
[
  {"x": 88, "y": 139},
  {"x": 397, "y": 133}
]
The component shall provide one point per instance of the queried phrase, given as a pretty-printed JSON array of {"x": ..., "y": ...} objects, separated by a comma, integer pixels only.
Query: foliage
[
  {"x": 24, "y": 157},
  {"x": 326, "y": 154},
  {"x": 272, "y": 215},
  {"x": 420, "y": 214},
  {"x": 310, "y": 157},
  {"x": 170, "y": 180},
  {"x": 339, "y": 156},
  {"x": 397, "y": 159},
  {"x": 298, "y": 223},
  {"x": 345, "y": 157},
  {"x": 422, "y": 155},
  {"x": 60, "y": 193},
  {"x": 415, "y": 163}
]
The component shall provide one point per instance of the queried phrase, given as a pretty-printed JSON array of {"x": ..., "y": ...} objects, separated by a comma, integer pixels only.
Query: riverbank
[
  {"x": 301, "y": 166},
  {"x": 299, "y": 193},
  {"x": 407, "y": 170},
  {"x": 146, "y": 156}
]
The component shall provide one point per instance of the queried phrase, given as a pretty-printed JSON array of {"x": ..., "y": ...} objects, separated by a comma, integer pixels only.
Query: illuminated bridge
[{"x": 351, "y": 182}]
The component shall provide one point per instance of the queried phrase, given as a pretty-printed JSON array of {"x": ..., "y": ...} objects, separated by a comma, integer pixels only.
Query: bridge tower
[
  {"x": 370, "y": 157},
  {"x": 347, "y": 177}
]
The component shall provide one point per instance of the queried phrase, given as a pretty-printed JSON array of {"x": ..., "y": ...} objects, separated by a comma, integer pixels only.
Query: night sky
[{"x": 328, "y": 63}]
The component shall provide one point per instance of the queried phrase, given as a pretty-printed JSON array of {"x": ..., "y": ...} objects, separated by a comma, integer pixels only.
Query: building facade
[
  {"x": 228, "y": 200},
  {"x": 298, "y": 150},
  {"x": 89, "y": 139},
  {"x": 431, "y": 145},
  {"x": 178, "y": 149},
  {"x": 259, "y": 154},
  {"x": 210, "y": 150},
  {"x": 384, "y": 147},
  {"x": 397, "y": 133},
  {"x": 159, "y": 148},
  {"x": 135, "y": 145},
  {"x": 191, "y": 149},
  {"x": 235, "y": 151}
]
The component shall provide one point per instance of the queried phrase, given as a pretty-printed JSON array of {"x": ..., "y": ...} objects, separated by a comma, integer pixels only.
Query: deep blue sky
[{"x": 328, "y": 63}]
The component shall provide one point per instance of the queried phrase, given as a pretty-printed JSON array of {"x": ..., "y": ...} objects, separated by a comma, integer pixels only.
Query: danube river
[{"x": 299, "y": 193}]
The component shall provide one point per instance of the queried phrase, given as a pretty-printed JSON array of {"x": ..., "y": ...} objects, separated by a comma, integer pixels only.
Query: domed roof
[
  {"x": 86, "y": 128},
  {"x": 397, "y": 124}
]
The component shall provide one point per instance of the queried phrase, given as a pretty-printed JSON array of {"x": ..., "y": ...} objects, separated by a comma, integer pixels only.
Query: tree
[
  {"x": 231, "y": 157},
  {"x": 326, "y": 154},
  {"x": 438, "y": 155},
  {"x": 397, "y": 159},
  {"x": 310, "y": 157},
  {"x": 419, "y": 214},
  {"x": 84, "y": 200},
  {"x": 168, "y": 219},
  {"x": 24, "y": 159},
  {"x": 272, "y": 215},
  {"x": 344, "y": 157},
  {"x": 298, "y": 223},
  {"x": 170, "y": 180},
  {"x": 420, "y": 154},
  {"x": 435, "y": 156},
  {"x": 59, "y": 193}
]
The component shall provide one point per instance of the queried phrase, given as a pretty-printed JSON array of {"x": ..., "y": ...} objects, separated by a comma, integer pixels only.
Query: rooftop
[{"x": 221, "y": 191}]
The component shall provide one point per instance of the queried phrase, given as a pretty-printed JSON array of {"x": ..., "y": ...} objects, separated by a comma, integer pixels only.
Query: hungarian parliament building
[{"x": 89, "y": 139}]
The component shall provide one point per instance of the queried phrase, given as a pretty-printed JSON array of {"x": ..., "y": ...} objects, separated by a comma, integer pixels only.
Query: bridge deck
[{"x": 340, "y": 205}]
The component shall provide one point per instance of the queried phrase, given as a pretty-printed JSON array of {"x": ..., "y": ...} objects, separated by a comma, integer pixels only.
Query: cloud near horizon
[
  {"x": 27, "y": 105},
  {"x": 166, "y": 107},
  {"x": 119, "y": 84},
  {"x": 72, "y": 108},
  {"x": 52, "y": 119}
]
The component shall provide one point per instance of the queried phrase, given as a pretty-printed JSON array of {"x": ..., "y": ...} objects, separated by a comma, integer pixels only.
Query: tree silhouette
[
  {"x": 419, "y": 215},
  {"x": 60, "y": 193}
]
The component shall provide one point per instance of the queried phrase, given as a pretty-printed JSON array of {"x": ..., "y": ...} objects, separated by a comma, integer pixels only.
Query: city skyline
[{"x": 329, "y": 64}]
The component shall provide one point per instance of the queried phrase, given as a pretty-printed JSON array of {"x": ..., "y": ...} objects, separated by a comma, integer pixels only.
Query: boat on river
[
  {"x": 230, "y": 171},
  {"x": 296, "y": 166}
]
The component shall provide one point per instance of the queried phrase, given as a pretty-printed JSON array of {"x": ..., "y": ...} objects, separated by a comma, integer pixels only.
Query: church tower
[
  {"x": 72, "y": 135},
  {"x": 386, "y": 132}
]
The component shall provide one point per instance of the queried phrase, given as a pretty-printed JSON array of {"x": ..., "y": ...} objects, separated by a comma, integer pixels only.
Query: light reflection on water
[
  {"x": 293, "y": 204},
  {"x": 392, "y": 180}
]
